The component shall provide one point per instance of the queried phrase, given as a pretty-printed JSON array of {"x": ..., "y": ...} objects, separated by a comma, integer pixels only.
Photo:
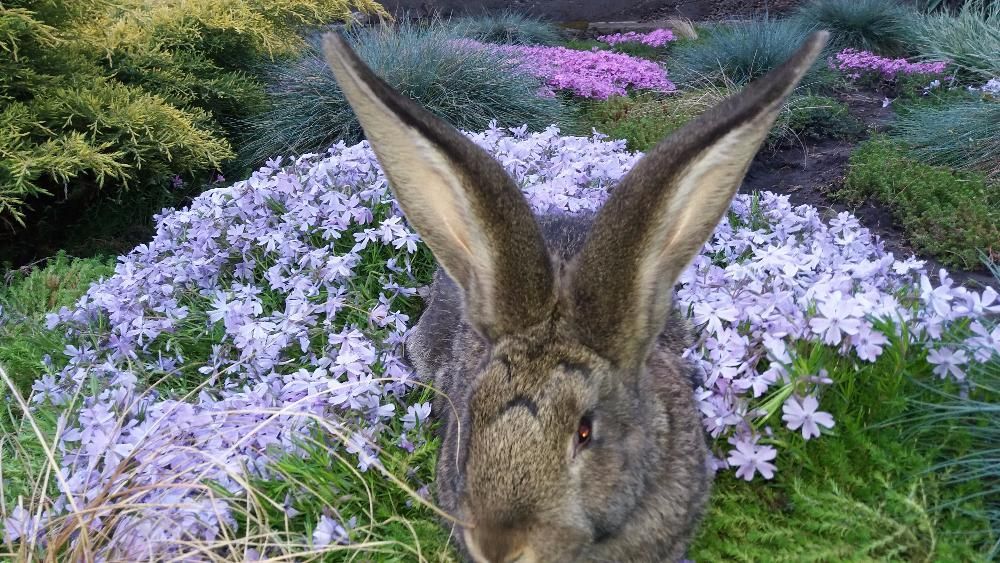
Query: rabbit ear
[
  {"x": 457, "y": 197},
  {"x": 664, "y": 210}
]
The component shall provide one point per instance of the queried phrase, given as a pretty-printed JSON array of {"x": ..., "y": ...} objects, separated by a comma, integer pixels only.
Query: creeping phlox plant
[
  {"x": 275, "y": 308},
  {"x": 655, "y": 38},
  {"x": 869, "y": 66},
  {"x": 589, "y": 74}
]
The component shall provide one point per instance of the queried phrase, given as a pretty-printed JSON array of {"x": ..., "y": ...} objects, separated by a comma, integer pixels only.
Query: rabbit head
[{"x": 574, "y": 434}]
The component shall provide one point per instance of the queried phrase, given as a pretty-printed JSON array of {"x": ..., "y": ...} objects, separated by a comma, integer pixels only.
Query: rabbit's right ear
[
  {"x": 664, "y": 210},
  {"x": 457, "y": 197}
]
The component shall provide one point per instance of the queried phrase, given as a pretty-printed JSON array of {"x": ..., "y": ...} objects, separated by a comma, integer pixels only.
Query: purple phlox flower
[
  {"x": 868, "y": 343},
  {"x": 328, "y": 531},
  {"x": 804, "y": 414},
  {"x": 986, "y": 343},
  {"x": 947, "y": 362},
  {"x": 416, "y": 415},
  {"x": 750, "y": 458},
  {"x": 938, "y": 298},
  {"x": 839, "y": 318}
]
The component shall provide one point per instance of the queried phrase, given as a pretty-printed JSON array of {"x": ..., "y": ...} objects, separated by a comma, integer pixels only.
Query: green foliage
[
  {"x": 644, "y": 119},
  {"x": 860, "y": 494},
  {"x": 26, "y": 295},
  {"x": 879, "y": 26},
  {"x": 641, "y": 119},
  {"x": 810, "y": 117},
  {"x": 631, "y": 48},
  {"x": 976, "y": 413},
  {"x": 969, "y": 39},
  {"x": 391, "y": 523},
  {"x": 100, "y": 96},
  {"x": 467, "y": 88},
  {"x": 508, "y": 27},
  {"x": 205, "y": 54},
  {"x": 963, "y": 135},
  {"x": 741, "y": 52},
  {"x": 950, "y": 215}
]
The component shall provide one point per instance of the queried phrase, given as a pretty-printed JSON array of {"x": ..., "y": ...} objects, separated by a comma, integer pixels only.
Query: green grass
[
  {"x": 810, "y": 117},
  {"x": 642, "y": 119},
  {"x": 466, "y": 87},
  {"x": 26, "y": 295},
  {"x": 964, "y": 134},
  {"x": 633, "y": 49},
  {"x": 880, "y": 26},
  {"x": 948, "y": 214}
]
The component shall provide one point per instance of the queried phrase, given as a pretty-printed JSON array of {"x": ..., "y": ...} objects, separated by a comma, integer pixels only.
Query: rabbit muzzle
[{"x": 498, "y": 544}]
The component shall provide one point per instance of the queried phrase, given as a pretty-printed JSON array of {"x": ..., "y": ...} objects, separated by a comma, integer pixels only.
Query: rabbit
[{"x": 569, "y": 426}]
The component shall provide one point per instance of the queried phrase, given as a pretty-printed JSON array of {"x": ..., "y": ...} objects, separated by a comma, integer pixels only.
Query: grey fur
[{"x": 534, "y": 323}]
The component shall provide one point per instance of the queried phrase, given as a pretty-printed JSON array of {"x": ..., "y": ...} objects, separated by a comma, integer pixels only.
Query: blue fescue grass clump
[
  {"x": 507, "y": 27},
  {"x": 964, "y": 134},
  {"x": 743, "y": 51},
  {"x": 968, "y": 38},
  {"x": 880, "y": 26},
  {"x": 467, "y": 88}
]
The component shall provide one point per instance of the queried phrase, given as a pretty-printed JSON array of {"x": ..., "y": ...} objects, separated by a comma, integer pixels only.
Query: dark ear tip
[
  {"x": 334, "y": 41},
  {"x": 813, "y": 45}
]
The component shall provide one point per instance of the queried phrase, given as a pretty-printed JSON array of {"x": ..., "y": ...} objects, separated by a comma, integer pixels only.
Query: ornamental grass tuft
[
  {"x": 743, "y": 51},
  {"x": 964, "y": 135},
  {"x": 507, "y": 27},
  {"x": 467, "y": 88},
  {"x": 882, "y": 26},
  {"x": 968, "y": 38}
]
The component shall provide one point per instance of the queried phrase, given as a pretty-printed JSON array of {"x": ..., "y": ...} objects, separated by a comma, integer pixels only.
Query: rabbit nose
[{"x": 497, "y": 544}]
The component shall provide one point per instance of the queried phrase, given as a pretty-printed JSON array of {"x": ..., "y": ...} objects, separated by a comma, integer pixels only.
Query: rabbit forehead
[{"x": 548, "y": 381}]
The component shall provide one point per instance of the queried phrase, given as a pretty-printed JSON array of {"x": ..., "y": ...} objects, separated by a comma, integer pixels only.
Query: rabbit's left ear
[
  {"x": 457, "y": 197},
  {"x": 664, "y": 210}
]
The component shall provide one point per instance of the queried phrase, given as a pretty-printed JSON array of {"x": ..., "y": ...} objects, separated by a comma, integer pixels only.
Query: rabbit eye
[{"x": 584, "y": 432}]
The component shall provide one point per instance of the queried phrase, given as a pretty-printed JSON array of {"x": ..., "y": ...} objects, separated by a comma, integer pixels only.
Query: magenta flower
[
  {"x": 804, "y": 414},
  {"x": 655, "y": 38},
  {"x": 589, "y": 74},
  {"x": 857, "y": 64}
]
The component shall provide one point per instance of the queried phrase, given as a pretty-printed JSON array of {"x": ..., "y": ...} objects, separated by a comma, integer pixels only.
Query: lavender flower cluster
[
  {"x": 857, "y": 64},
  {"x": 590, "y": 74},
  {"x": 257, "y": 293},
  {"x": 655, "y": 38}
]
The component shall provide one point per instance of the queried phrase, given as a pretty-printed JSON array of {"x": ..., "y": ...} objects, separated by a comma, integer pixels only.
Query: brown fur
[{"x": 533, "y": 324}]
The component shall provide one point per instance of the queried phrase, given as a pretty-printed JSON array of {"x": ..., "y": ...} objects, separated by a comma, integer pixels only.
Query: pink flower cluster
[
  {"x": 856, "y": 64},
  {"x": 589, "y": 74},
  {"x": 655, "y": 38}
]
